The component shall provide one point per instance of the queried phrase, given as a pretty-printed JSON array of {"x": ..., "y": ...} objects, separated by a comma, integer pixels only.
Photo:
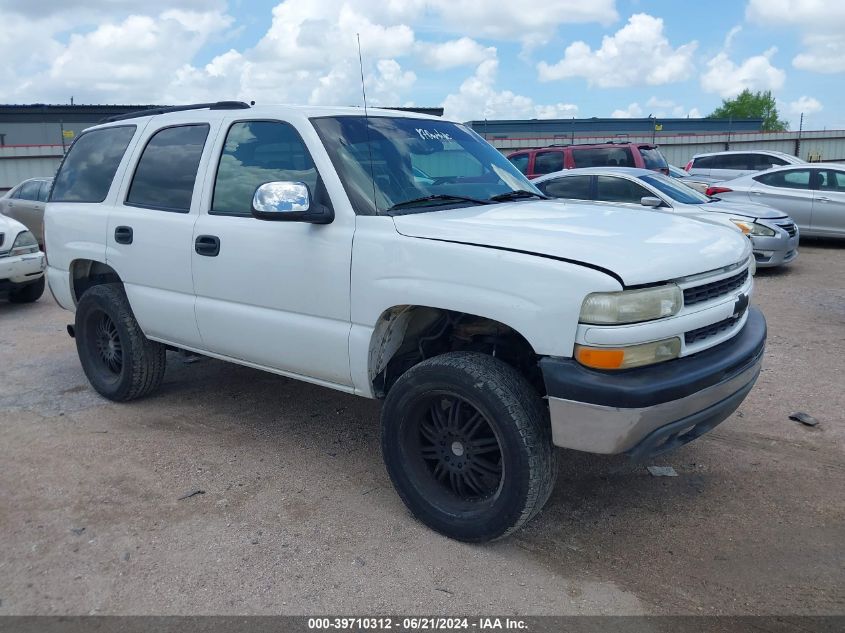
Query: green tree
[{"x": 752, "y": 105}]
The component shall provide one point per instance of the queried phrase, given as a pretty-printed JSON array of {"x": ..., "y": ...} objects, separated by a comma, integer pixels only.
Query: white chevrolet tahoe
[
  {"x": 21, "y": 263},
  {"x": 401, "y": 257}
]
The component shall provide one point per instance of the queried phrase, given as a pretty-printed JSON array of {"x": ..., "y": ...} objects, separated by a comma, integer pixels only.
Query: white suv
[
  {"x": 733, "y": 164},
  {"x": 493, "y": 323}
]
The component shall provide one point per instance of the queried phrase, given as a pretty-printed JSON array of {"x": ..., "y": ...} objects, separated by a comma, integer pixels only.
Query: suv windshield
[
  {"x": 652, "y": 158},
  {"x": 675, "y": 190},
  {"x": 416, "y": 164}
]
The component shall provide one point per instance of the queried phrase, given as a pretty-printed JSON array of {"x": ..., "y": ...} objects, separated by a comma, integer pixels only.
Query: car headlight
[
  {"x": 631, "y": 306},
  {"x": 628, "y": 356},
  {"x": 24, "y": 243},
  {"x": 752, "y": 228}
]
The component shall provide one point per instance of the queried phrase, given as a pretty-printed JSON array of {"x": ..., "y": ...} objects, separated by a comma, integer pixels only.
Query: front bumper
[
  {"x": 22, "y": 269},
  {"x": 776, "y": 250},
  {"x": 650, "y": 410}
]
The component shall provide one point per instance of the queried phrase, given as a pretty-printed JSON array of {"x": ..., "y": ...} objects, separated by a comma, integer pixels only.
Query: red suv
[{"x": 537, "y": 162}]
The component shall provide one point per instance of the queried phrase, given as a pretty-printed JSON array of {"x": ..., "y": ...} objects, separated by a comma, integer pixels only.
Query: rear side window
[
  {"x": 704, "y": 162},
  {"x": 789, "y": 179},
  {"x": 612, "y": 189},
  {"x": 548, "y": 162},
  {"x": 165, "y": 176},
  {"x": 89, "y": 167},
  {"x": 256, "y": 152},
  {"x": 520, "y": 162},
  {"x": 29, "y": 190},
  {"x": 652, "y": 158},
  {"x": 603, "y": 157},
  {"x": 576, "y": 187}
]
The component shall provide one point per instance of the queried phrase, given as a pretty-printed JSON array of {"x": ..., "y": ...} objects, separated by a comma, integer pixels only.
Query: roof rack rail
[{"x": 219, "y": 105}]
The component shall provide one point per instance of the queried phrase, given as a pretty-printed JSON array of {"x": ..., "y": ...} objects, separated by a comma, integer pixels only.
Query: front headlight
[
  {"x": 752, "y": 228},
  {"x": 628, "y": 356},
  {"x": 24, "y": 243},
  {"x": 631, "y": 306}
]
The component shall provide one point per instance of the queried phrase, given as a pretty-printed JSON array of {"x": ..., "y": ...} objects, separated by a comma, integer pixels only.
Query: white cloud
[
  {"x": 633, "y": 111},
  {"x": 462, "y": 52},
  {"x": 516, "y": 21},
  {"x": 477, "y": 99},
  {"x": 806, "y": 105},
  {"x": 639, "y": 53},
  {"x": 728, "y": 79},
  {"x": 824, "y": 53},
  {"x": 665, "y": 108},
  {"x": 817, "y": 14},
  {"x": 820, "y": 22}
]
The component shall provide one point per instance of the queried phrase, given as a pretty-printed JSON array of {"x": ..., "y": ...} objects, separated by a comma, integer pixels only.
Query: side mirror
[
  {"x": 288, "y": 202},
  {"x": 651, "y": 201}
]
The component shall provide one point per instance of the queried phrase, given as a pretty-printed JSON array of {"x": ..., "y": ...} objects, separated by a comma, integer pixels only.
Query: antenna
[{"x": 367, "y": 124}]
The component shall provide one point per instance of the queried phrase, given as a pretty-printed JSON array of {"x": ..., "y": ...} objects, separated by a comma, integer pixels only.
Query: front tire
[
  {"x": 119, "y": 361},
  {"x": 467, "y": 444},
  {"x": 29, "y": 293}
]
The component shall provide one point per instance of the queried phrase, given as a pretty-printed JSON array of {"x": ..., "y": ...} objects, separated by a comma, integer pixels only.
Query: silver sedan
[
  {"x": 773, "y": 234},
  {"x": 812, "y": 194}
]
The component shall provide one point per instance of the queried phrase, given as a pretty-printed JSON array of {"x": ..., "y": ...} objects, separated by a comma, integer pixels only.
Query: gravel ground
[{"x": 298, "y": 516}]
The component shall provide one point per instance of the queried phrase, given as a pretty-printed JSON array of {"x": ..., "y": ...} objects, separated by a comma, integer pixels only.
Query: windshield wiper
[
  {"x": 441, "y": 198},
  {"x": 516, "y": 195}
]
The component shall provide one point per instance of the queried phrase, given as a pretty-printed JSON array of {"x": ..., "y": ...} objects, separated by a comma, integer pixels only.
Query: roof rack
[{"x": 219, "y": 105}]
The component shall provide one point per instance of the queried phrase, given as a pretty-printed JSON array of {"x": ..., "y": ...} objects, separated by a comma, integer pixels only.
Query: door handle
[
  {"x": 207, "y": 245},
  {"x": 123, "y": 234},
  {"x": 823, "y": 199}
]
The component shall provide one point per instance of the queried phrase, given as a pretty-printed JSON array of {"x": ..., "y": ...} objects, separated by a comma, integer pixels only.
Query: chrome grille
[
  {"x": 706, "y": 292},
  {"x": 702, "y": 333},
  {"x": 789, "y": 227}
]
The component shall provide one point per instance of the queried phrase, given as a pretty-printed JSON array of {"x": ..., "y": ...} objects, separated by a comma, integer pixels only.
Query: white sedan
[
  {"x": 21, "y": 263},
  {"x": 812, "y": 194}
]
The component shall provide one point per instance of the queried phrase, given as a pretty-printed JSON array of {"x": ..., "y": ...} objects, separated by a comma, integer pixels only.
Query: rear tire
[
  {"x": 467, "y": 443},
  {"x": 119, "y": 361},
  {"x": 29, "y": 293}
]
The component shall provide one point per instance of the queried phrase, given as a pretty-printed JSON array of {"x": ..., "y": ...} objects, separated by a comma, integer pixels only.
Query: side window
[
  {"x": 603, "y": 157},
  {"x": 256, "y": 152},
  {"x": 520, "y": 162},
  {"x": 548, "y": 162},
  {"x": 612, "y": 189},
  {"x": 704, "y": 162},
  {"x": 832, "y": 180},
  {"x": 165, "y": 175},
  {"x": 29, "y": 190},
  {"x": 44, "y": 192},
  {"x": 790, "y": 179},
  {"x": 775, "y": 160},
  {"x": 575, "y": 187},
  {"x": 90, "y": 164}
]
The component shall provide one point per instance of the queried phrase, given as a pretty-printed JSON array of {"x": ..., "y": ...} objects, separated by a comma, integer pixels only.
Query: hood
[
  {"x": 751, "y": 210},
  {"x": 10, "y": 226},
  {"x": 639, "y": 247}
]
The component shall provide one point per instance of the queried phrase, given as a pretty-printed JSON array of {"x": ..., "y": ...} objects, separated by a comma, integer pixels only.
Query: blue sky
[{"x": 477, "y": 58}]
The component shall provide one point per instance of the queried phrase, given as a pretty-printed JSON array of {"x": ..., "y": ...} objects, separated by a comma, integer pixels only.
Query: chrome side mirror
[
  {"x": 288, "y": 202},
  {"x": 651, "y": 201}
]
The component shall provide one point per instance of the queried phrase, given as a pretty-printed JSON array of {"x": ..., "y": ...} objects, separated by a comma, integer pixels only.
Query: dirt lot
[{"x": 298, "y": 515}]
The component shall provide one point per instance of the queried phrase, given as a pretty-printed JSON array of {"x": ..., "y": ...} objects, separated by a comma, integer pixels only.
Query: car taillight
[
  {"x": 712, "y": 191},
  {"x": 688, "y": 167}
]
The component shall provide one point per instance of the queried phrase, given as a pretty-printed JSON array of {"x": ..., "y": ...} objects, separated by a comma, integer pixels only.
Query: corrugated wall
[
  {"x": 30, "y": 161},
  {"x": 679, "y": 149}
]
